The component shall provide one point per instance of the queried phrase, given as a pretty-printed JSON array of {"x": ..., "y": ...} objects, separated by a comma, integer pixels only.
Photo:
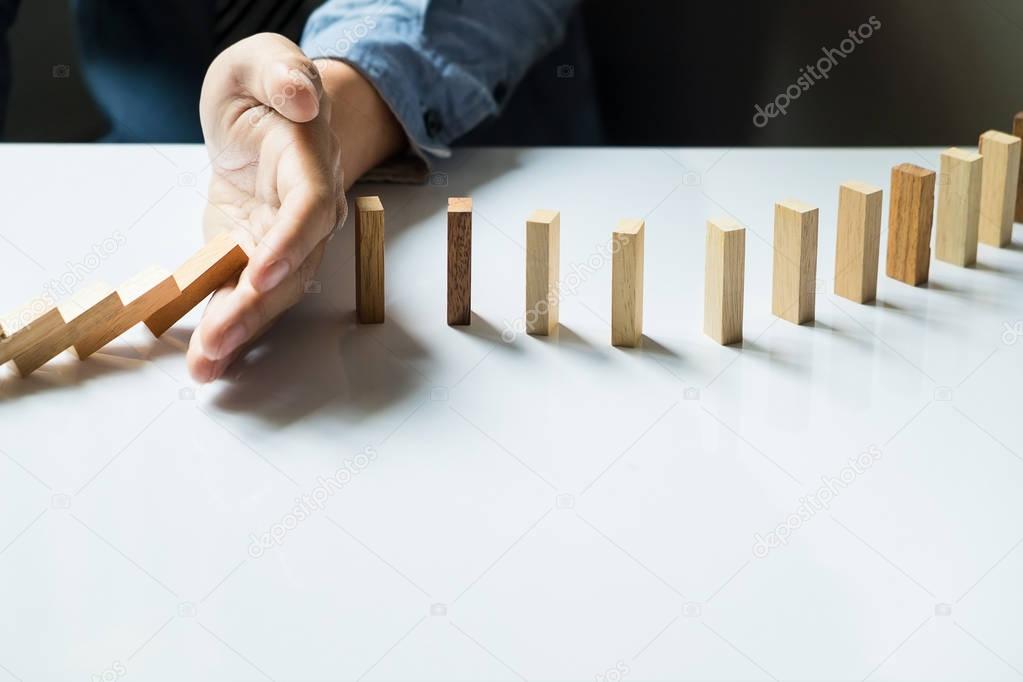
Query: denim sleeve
[{"x": 443, "y": 66}]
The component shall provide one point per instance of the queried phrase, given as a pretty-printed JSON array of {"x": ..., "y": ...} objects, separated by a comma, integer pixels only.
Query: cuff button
[{"x": 433, "y": 123}]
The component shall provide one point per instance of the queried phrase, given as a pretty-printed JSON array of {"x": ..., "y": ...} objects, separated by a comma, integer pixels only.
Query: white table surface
[{"x": 540, "y": 509}]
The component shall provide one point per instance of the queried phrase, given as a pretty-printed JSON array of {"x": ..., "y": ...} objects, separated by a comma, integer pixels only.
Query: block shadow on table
[{"x": 318, "y": 356}]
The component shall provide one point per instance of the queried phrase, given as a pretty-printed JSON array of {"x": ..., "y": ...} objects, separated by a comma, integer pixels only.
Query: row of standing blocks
[
  {"x": 543, "y": 240},
  {"x": 979, "y": 200}
]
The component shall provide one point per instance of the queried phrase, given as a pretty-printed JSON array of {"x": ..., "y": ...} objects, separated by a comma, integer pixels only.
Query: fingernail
[
  {"x": 216, "y": 371},
  {"x": 273, "y": 275},
  {"x": 206, "y": 376},
  {"x": 232, "y": 339}
]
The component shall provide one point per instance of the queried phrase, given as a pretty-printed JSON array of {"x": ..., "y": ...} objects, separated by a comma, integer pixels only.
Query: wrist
[{"x": 365, "y": 126}]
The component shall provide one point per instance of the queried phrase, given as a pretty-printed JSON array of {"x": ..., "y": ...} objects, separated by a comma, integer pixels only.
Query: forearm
[{"x": 366, "y": 128}]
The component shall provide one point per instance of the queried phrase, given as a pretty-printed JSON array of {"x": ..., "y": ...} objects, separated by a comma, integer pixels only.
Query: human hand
[{"x": 277, "y": 183}]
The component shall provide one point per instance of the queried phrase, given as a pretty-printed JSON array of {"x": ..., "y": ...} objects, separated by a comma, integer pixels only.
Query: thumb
[{"x": 273, "y": 71}]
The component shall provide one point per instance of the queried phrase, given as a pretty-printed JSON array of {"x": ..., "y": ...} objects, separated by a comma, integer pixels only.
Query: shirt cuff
[{"x": 435, "y": 101}]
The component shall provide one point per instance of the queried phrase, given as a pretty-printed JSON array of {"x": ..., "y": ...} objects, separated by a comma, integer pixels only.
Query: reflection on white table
[{"x": 413, "y": 501}]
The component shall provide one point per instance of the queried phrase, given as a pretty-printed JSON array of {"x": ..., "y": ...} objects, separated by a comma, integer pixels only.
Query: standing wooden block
[
  {"x": 221, "y": 259},
  {"x": 1017, "y": 131},
  {"x": 459, "y": 261},
  {"x": 858, "y": 246},
  {"x": 543, "y": 245},
  {"x": 795, "y": 261},
  {"x": 959, "y": 207},
  {"x": 97, "y": 300},
  {"x": 21, "y": 329},
  {"x": 910, "y": 217},
  {"x": 998, "y": 189},
  {"x": 627, "y": 283},
  {"x": 139, "y": 298},
  {"x": 723, "y": 281},
  {"x": 369, "y": 260}
]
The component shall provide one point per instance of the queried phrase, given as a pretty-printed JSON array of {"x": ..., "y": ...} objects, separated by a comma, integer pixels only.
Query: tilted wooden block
[
  {"x": 24, "y": 327},
  {"x": 1017, "y": 131},
  {"x": 459, "y": 261},
  {"x": 217, "y": 262},
  {"x": 369, "y": 260},
  {"x": 139, "y": 297},
  {"x": 958, "y": 207},
  {"x": 543, "y": 238},
  {"x": 858, "y": 246},
  {"x": 795, "y": 261},
  {"x": 91, "y": 301},
  {"x": 627, "y": 283},
  {"x": 999, "y": 186},
  {"x": 724, "y": 281},
  {"x": 910, "y": 217}
]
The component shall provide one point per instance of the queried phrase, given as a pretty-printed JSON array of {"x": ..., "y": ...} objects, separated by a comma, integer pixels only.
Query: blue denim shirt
[{"x": 443, "y": 66}]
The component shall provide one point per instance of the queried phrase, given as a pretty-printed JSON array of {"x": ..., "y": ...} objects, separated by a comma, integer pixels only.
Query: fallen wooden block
[
  {"x": 369, "y": 260},
  {"x": 217, "y": 262},
  {"x": 999, "y": 186},
  {"x": 1017, "y": 130},
  {"x": 21, "y": 329},
  {"x": 858, "y": 245},
  {"x": 96, "y": 300},
  {"x": 958, "y": 217},
  {"x": 795, "y": 261},
  {"x": 543, "y": 237},
  {"x": 627, "y": 283},
  {"x": 724, "y": 280},
  {"x": 459, "y": 261},
  {"x": 139, "y": 297},
  {"x": 910, "y": 217}
]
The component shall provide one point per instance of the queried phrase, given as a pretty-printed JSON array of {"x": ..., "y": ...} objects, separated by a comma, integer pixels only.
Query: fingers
[
  {"x": 238, "y": 314},
  {"x": 201, "y": 366},
  {"x": 269, "y": 69},
  {"x": 306, "y": 217}
]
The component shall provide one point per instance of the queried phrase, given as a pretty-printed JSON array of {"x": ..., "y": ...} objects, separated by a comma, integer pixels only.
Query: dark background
[{"x": 688, "y": 73}]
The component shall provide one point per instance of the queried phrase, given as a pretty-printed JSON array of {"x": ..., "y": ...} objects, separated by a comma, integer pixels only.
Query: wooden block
[
  {"x": 220, "y": 260},
  {"x": 94, "y": 300},
  {"x": 959, "y": 207},
  {"x": 724, "y": 281},
  {"x": 998, "y": 188},
  {"x": 910, "y": 217},
  {"x": 1017, "y": 131},
  {"x": 795, "y": 261},
  {"x": 858, "y": 246},
  {"x": 369, "y": 260},
  {"x": 543, "y": 244},
  {"x": 139, "y": 297},
  {"x": 459, "y": 261},
  {"x": 627, "y": 283},
  {"x": 24, "y": 327}
]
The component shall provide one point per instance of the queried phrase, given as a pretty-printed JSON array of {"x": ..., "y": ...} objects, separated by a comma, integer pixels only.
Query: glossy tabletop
[{"x": 841, "y": 500}]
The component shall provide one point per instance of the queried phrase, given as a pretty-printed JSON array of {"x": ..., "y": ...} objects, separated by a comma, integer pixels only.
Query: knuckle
[{"x": 258, "y": 313}]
